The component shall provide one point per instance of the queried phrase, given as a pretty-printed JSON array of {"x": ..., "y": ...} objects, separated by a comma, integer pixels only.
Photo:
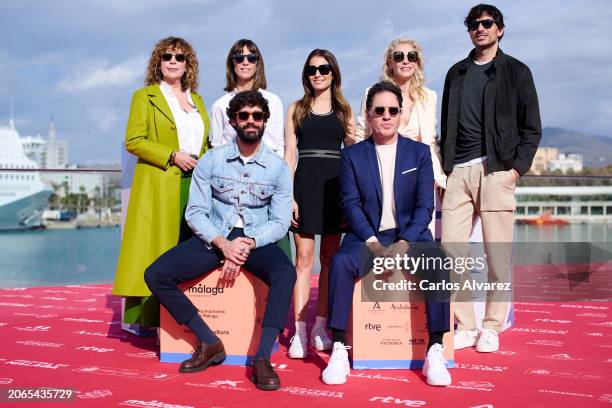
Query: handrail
[{"x": 79, "y": 170}]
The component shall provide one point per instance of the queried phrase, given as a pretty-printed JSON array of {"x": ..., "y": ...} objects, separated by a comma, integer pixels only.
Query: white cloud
[
  {"x": 101, "y": 73},
  {"x": 104, "y": 118},
  {"x": 567, "y": 49}
]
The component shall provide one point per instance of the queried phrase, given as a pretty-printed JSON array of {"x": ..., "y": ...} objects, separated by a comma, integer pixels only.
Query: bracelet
[{"x": 172, "y": 156}]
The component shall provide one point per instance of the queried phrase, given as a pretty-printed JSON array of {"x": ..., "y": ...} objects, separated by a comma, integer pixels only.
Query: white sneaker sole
[
  {"x": 436, "y": 383},
  {"x": 297, "y": 356},
  {"x": 334, "y": 381},
  {"x": 487, "y": 349},
  {"x": 439, "y": 383},
  {"x": 461, "y": 347}
]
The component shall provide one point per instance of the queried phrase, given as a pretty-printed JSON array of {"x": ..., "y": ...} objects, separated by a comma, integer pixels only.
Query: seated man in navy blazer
[{"x": 386, "y": 188}]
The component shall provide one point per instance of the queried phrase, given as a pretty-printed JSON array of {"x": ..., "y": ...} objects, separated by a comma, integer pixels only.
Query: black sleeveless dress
[{"x": 316, "y": 187}]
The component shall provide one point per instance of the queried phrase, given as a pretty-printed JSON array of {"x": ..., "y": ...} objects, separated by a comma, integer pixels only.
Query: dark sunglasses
[
  {"x": 178, "y": 57},
  {"x": 412, "y": 56},
  {"x": 257, "y": 116},
  {"x": 239, "y": 58},
  {"x": 486, "y": 24},
  {"x": 323, "y": 69},
  {"x": 380, "y": 110}
]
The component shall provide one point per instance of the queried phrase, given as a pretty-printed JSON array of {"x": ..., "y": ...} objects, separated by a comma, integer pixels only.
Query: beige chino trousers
[{"x": 473, "y": 191}]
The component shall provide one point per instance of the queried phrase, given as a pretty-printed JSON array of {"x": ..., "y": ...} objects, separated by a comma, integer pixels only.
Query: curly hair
[
  {"x": 259, "y": 81},
  {"x": 190, "y": 77},
  {"x": 417, "y": 90},
  {"x": 339, "y": 104},
  {"x": 247, "y": 98}
]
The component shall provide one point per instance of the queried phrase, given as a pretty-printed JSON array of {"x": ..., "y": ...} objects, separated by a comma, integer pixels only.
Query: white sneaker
[
  {"x": 464, "y": 339},
  {"x": 338, "y": 367},
  {"x": 298, "y": 346},
  {"x": 319, "y": 339},
  {"x": 488, "y": 342},
  {"x": 435, "y": 367}
]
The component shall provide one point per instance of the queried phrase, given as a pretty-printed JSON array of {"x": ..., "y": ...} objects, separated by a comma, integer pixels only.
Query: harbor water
[{"x": 88, "y": 256}]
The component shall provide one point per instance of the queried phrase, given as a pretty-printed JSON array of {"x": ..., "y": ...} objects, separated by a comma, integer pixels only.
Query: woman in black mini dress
[{"x": 317, "y": 125}]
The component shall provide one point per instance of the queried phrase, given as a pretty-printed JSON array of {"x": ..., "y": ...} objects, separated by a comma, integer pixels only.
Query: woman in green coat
[{"x": 168, "y": 131}]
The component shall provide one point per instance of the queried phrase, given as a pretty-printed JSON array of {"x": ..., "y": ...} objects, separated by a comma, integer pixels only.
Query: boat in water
[
  {"x": 544, "y": 219},
  {"x": 23, "y": 195}
]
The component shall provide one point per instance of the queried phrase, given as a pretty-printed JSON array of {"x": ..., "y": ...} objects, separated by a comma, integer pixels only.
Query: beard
[{"x": 251, "y": 134}]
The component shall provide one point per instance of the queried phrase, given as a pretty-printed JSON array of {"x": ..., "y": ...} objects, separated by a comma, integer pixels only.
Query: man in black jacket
[{"x": 490, "y": 131}]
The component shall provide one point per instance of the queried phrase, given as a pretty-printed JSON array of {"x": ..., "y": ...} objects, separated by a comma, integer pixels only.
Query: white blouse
[{"x": 189, "y": 125}]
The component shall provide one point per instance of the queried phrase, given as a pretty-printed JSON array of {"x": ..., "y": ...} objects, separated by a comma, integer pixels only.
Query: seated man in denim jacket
[{"x": 239, "y": 206}]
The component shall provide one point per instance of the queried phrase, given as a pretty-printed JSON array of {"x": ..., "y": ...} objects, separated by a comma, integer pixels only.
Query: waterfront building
[
  {"x": 574, "y": 204},
  {"x": 88, "y": 183},
  {"x": 566, "y": 162}
]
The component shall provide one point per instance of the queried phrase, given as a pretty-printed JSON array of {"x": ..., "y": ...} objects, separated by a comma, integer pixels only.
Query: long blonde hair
[
  {"x": 417, "y": 83},
  {"x": 339, "y": 104},
  {"x": 190, "y": 77}
]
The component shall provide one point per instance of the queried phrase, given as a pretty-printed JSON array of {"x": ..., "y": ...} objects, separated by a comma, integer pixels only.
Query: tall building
[
  {"x": 48, "y": 153},
  {"x": 542, "y": 159},
  {"x": 55, "y": 154}
]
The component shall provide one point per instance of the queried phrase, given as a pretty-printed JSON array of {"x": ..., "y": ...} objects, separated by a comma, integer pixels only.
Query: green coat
[{"x": 153, "y": 218}]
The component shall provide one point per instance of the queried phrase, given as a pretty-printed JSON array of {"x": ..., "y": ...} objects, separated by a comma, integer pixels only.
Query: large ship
[{"x": 23, "y": 195}]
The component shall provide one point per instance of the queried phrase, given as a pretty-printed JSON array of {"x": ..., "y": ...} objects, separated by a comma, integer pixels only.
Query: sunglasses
[
  {"x": 380, "y": 111},
  {"x": 178, "y": 57},
  {"x": 486, "y": 24},
  {"x": 412, "y": 56},
  {"x": 239, "y": 58},
  {"x": 258, "y": 116},
  {"x": 323, "y": 69}
]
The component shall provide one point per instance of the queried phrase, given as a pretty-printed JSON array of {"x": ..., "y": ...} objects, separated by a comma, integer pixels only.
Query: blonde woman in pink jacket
[{"x": 403, "y": 65}]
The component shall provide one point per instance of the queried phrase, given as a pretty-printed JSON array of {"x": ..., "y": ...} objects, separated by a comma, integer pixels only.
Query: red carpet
[{"x": 557, "y": 355}]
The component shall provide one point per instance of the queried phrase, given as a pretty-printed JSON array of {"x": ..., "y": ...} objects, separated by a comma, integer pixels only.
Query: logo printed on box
[
  {"x": 403, "y": 307},
  {"x": 234, "y": 313},
  {"x": 372, "y": 326},
  {"x": 201, "y": 288}
]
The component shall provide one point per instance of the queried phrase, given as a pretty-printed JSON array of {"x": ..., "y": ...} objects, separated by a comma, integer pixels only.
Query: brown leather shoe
[
  {"x": 263, "y": 375},
  {"x": 203, "y": 356}
]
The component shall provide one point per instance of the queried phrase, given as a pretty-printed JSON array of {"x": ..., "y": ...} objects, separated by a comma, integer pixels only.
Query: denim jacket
[{"x": 223, "y": 187}]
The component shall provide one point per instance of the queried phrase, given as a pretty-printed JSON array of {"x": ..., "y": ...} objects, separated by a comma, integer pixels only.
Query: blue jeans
[{"x": 192, "y": 258}]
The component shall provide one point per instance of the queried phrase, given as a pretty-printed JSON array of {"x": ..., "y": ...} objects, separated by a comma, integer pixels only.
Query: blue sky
[{"x": 80, "y": 61}]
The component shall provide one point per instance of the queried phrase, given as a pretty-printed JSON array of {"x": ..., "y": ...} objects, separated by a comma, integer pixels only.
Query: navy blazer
[{"x": 413, "y": 187}]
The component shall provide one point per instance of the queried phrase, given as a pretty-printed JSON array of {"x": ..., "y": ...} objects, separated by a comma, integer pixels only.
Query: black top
[
  {"x": 471, "y": 142},
  {"x": 511, "y": 116},
  {"x": 316, "y": 187}
]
